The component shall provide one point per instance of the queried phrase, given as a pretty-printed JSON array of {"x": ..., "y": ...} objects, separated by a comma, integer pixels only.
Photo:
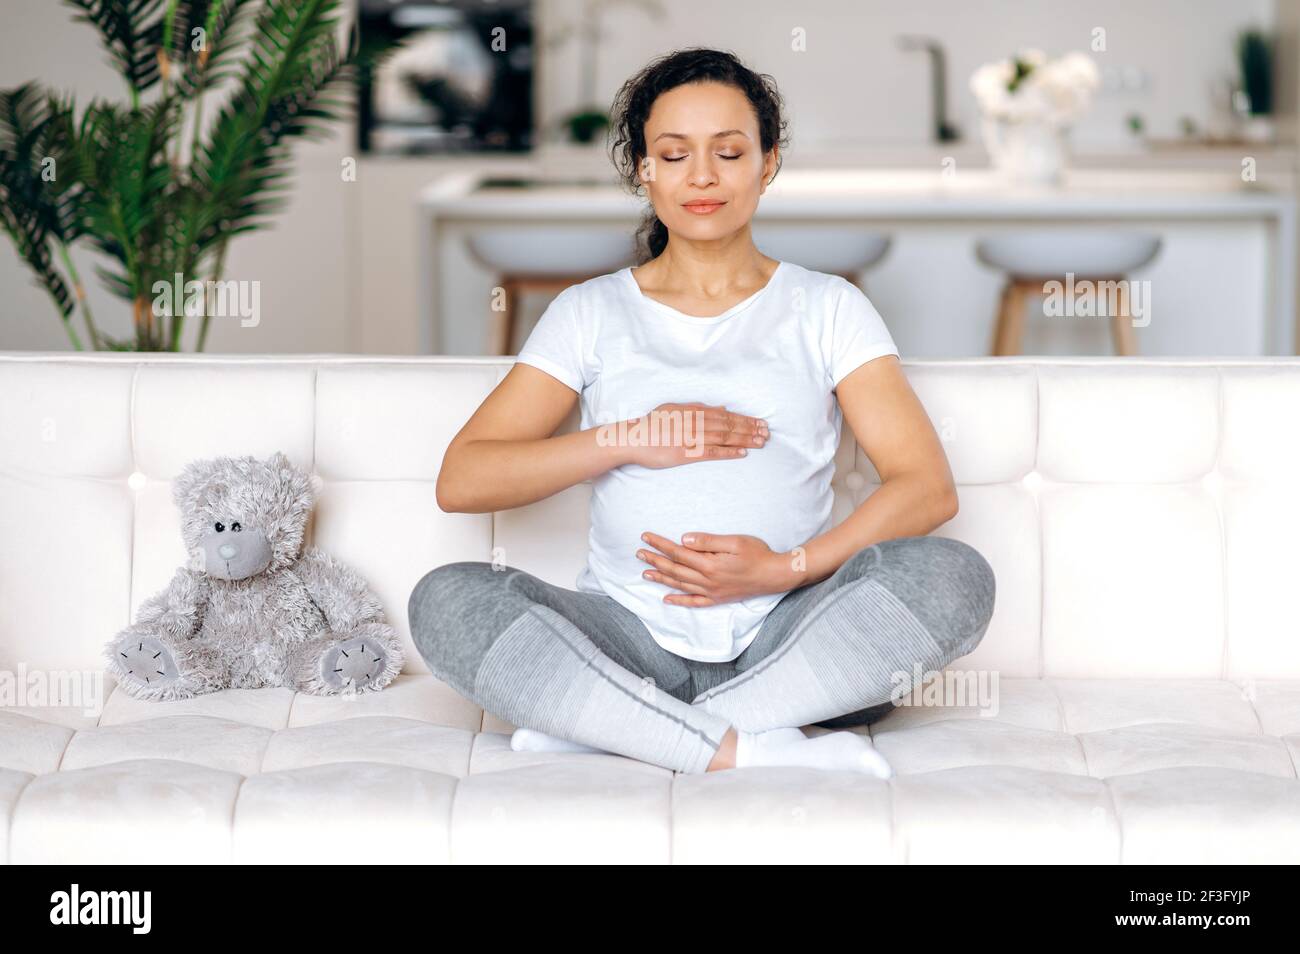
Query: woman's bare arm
[{"x": 505, "y": 456}]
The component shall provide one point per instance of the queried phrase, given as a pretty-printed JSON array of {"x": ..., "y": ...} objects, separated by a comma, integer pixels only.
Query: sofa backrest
[{"x": 1139, "y": 513}]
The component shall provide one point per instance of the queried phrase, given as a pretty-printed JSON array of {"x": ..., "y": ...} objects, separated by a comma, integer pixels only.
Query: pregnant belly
[{"x": 780, "y": 500}]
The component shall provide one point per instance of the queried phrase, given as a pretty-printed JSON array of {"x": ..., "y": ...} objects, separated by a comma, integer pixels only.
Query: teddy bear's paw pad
[
  {"x": 353, "y": 663},
  {"x": 147, "y": 661}
]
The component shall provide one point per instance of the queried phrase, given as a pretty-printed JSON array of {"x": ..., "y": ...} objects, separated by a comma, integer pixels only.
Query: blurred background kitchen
[{"x": 948, "y": 156}]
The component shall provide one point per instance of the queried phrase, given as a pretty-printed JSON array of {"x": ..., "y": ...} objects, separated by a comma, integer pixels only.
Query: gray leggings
[{"x": 583, "y": 667}]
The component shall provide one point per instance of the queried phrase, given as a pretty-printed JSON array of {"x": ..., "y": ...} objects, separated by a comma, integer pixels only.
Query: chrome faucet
[{"x": 944, "y": 131}]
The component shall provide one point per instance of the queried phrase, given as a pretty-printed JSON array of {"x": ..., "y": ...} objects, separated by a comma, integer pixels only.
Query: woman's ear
[{"x": 770, "y": 165}]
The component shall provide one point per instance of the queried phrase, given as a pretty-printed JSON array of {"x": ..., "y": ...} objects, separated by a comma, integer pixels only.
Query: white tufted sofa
[{"x": 1141, "y": 516}]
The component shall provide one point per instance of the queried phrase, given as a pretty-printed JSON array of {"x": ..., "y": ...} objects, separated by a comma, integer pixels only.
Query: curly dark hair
[{"x": 632, "y": 107}]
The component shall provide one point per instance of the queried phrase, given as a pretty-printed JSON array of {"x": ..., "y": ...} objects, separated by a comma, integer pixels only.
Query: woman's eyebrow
[{"x": 716, "y": 135}]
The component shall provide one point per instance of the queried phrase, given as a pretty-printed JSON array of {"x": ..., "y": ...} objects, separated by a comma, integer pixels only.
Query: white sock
[
  {"x": 532, "y": 740},
  {"x": 834, "y": 750}
]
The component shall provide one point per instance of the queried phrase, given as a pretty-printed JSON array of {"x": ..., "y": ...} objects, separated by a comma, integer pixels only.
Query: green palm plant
[{"x": 149, "y": 184}]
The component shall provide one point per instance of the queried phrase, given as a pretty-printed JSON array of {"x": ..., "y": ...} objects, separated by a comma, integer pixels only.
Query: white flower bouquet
[{"x": 1029, "y": 87}]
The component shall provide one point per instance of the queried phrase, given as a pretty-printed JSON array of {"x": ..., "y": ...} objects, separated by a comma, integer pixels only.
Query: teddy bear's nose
[{"x": 227, "y": 550}]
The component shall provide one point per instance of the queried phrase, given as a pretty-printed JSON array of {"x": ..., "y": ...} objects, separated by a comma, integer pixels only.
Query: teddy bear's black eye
[
  {"x": 220, "y": 526},
  {"x": 235, "y": 526}
]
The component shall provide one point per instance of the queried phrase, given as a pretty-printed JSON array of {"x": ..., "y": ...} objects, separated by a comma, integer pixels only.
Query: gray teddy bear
[{"x": 254, "y": 609}]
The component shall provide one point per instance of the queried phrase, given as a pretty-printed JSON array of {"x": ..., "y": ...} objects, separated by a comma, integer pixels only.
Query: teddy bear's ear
[
  {"x": 296, "y": 482},
  {"x": 192, "y": 475}
]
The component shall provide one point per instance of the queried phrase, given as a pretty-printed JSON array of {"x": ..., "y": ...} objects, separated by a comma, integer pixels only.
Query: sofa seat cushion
[{"x": 1061, "y": 770}]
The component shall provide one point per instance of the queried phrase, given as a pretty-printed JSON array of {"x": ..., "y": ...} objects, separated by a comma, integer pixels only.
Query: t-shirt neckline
[{"x": 697, "y": 319}]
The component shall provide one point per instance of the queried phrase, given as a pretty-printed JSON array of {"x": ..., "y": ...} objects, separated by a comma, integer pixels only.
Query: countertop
[{"x": 898, "y": 193}]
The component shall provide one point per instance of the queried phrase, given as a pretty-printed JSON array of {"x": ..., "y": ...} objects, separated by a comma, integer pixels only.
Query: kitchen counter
[
  {"x": 849, "y": 193},
  {"x": 591, "y": 161}
]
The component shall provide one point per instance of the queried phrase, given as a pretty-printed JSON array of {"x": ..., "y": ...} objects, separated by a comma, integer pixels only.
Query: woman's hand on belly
[
  {"x": 676, "y": 434},
  {"x": 712, "y": 568}
]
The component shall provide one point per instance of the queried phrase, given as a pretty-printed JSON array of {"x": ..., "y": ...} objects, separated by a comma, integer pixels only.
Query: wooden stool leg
[
  {"x": 1011, "y": 319},
  {"x": 1121, "y": 323},
  {"x": 512, "y": 317},
  {"x": 503, "y": 321}
]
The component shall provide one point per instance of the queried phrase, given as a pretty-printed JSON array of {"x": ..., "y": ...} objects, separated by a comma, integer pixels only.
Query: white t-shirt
[{"x": 777, "y": 355}]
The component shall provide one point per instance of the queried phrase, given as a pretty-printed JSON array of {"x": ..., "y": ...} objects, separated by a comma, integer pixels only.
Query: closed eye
[{"x": 680, "y": 158}]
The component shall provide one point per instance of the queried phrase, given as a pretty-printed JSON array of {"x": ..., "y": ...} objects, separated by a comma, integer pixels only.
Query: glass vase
[{"x": 1029, "y": 152}]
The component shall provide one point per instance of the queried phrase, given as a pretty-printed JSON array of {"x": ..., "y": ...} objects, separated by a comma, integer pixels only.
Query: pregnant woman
[{"x": 718, "y": 610}]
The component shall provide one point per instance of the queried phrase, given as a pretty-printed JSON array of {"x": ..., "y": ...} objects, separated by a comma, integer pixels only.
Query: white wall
[
  {"x": 339, "y": 271},
  {"x": 854, "y": 86}
]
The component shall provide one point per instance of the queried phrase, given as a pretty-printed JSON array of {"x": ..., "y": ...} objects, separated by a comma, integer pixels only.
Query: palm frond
[
  {"x": 291, "y": 72},
  {"x": 125, "y": 171},
  {"x": 39, "y": 192},
  {"x": 131, "y": 31},
  {"x": 33, "y": 245},
  {"x": 206, "y": 34}
]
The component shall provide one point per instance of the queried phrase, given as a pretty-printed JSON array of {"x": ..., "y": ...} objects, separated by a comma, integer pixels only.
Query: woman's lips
[{"x": 705, "y": 208}]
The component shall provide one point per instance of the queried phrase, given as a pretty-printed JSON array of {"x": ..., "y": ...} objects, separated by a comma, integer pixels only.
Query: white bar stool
[
  {"x": 846, "y": 250},
  {"x": 544, "y": 259},
  {"x": 1033, "y": 258}
]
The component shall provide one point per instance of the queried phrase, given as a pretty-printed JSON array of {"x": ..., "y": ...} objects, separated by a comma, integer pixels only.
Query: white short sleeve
[
  {"x": 555, "y": 345},
  {"x": 858, "y": 333}
]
